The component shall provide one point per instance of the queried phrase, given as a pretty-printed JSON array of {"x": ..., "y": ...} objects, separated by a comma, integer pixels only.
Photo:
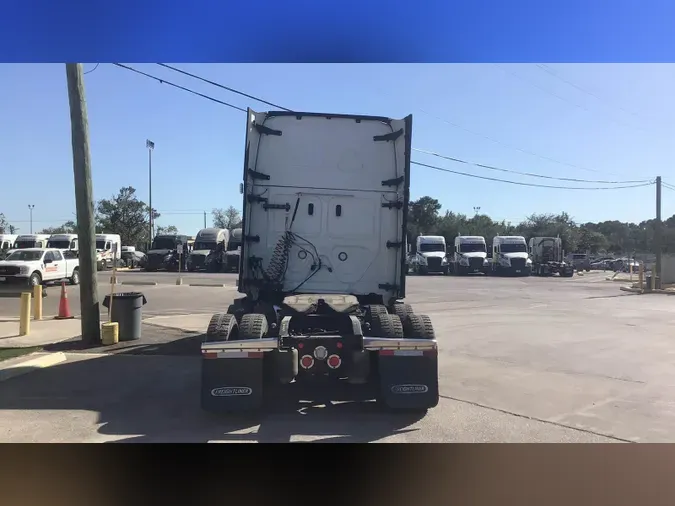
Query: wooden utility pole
[
  {"x": 84, "y": 202},
  {"x": 658, "y": 233}
]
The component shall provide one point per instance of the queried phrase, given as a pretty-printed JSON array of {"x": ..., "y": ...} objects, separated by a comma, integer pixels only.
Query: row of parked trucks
[
  {"x": 510, "y": 255},
  {"x": 213, "y": 249}
]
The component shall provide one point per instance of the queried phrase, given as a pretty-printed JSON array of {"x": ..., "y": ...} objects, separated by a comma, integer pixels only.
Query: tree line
[
  {"x": 612, "y": 237},
  {"x": 127, "y": 215}
]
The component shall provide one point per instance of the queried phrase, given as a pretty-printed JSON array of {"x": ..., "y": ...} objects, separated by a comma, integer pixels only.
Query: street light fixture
[
  {"x": 30, "y": 208},
  {"x": 151, "y": 146}
]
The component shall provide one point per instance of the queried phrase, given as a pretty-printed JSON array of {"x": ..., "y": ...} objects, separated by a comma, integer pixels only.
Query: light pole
[
  {"x": 476, "y": 210},
  {"x": 30, "y": 208},
  {"x": 150, "y": 145}
]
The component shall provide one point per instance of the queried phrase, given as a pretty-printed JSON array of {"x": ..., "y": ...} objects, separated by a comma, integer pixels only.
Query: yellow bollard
[
  {"x": 109, "y": 333},
  {"x": 37, "y": 308},
  {"x": 24, "y": 316}
]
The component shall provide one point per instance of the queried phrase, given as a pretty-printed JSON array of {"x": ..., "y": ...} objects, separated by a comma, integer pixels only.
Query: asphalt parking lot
[{"x": 521, "y": 360}]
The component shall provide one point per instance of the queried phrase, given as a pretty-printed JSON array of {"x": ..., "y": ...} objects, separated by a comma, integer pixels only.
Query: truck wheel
[
  {"x": 418, "y": 326},
  {"x": 222, "y": 327},
  {"x": 35, "y": 279},
  {"x": 387, "y": 326},
  {"x": 75, "y": 277},
  {"x": 402, "y": 311},
  {"x": 252, "y": 326},
  {"x": 375, "y": 309}
]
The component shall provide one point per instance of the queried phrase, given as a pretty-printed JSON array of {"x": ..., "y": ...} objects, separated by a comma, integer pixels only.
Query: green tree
[
  {"x": 69, "y": 227},
  {"x": 168, "y": 230},
  {"x": 6, "y": 227},
  {"x": 126, "y": 215},
  {"x": 226, "y": 218}
]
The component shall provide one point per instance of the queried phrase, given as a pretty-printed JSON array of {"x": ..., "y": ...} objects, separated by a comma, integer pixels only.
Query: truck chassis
[
  {"x": 544, "y": 269},
  {"x": 388, "y": 353}
]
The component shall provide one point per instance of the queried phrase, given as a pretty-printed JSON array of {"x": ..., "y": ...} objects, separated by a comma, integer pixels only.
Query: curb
[
  {"x": 139, "y": 283},
  {"x": 31, "y": 364},
  {"x": 219, "y": 285}
]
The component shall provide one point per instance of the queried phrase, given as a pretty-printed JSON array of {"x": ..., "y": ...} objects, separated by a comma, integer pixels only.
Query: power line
[
  {"x": 551, "y": 72},
  {"x": 222, "y": 86},
  {"x": 90, "y": 71},
  {"x": 163, "y": 81},
  {"x": 511, "y": 146},
  {"x": 560, "y": 97},
  {"x": 519, "y": 183},
  {"x": 529, "y": 174},
  {"x": 413, "y": 162},
  {"x": 428, "y": 152}
]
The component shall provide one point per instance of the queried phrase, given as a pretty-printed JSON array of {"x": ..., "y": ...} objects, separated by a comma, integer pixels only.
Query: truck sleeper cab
[
  {"x": 547, "y": 257},
  {"x": 470, "y": 255},
  {"x": 63, "y": 241},
  {"x": 325, "y": 202},
  {"x": 31, "y": 241},
  {"x": 206, "y": 242},
  {"x": 509, "y": 256},
  {"x": 163, "y": 253},
  {"x": 430, "y": 256}
]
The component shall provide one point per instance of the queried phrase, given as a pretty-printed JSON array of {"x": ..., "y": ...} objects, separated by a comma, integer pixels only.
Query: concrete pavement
[{"x": 522, "y": 360}]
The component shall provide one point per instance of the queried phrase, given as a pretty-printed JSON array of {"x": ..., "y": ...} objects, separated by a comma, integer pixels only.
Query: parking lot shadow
[{"x": 150, "y": 393}]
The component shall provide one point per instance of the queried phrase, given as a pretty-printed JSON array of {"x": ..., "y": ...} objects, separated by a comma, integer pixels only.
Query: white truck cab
[
  {"x": 63, "y": 241},
  {"x": 509, "y": 256},
  {"x": 104, "y": 249},
  {"x": 470, "y": 255},
  {"x": 31, "y": 241},
  {"x": 430, "y": 255},
  {"x": 7, "y": 242},
  {"x": 35, "y": 266}
]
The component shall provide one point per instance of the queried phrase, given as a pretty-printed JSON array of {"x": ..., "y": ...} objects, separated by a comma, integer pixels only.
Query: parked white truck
[
  {"x": 106, "y": 244},
  {"x": 509, "y": 256},
  {"x": 63, "y": 241},
  {"x": 430, "y": 255},
  {"x": 322, "y": 268},
  {"x": 6, "y": 244},
  {"x": 34, "y": 266},
  {"x": 470, "y": 255},
  {"x": 31, "y": 241}
]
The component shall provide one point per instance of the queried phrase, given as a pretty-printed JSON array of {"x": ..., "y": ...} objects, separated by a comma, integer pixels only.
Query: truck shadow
[{"x": 150, "y": 393}]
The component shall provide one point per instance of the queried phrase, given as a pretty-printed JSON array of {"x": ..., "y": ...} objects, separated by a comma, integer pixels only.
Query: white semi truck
[
  {"x": 63, "y": 241},
  {"x": 430, "y": 255},
  {"x": 470, "y": 255},
  {"x": 509, "y": 256},
  {"x": 325, "y": 205}
]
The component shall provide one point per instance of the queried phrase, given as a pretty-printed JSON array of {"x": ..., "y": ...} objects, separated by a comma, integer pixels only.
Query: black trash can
[{"x": 127, "y": 309}]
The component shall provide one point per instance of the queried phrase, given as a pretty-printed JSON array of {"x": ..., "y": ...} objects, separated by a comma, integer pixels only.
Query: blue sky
[{"x": 620, "y": 127}]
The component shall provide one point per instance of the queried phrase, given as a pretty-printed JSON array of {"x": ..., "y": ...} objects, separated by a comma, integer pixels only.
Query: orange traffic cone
[{"x": 64, "y": 306}]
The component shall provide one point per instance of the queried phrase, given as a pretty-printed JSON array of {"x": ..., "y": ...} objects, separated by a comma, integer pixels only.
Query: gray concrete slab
[{"x": 541, "y": 360}]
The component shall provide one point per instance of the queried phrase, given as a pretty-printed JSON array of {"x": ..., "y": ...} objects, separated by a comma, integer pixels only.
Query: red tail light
[
  {"x": 334, "y": 361},
  {"x": 306, "y": 361}
]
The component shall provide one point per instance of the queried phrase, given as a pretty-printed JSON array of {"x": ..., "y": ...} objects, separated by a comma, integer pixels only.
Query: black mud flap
[
  {"x": 233, "y": 377},
  {"x": 408, "y": 378}
]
